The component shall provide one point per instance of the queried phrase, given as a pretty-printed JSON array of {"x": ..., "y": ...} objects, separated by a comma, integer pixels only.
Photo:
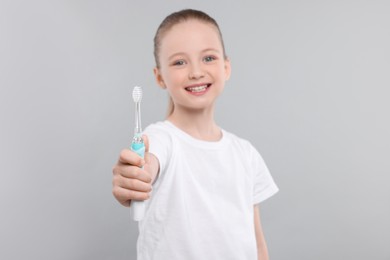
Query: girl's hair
[{"x": 177, "y": 18}]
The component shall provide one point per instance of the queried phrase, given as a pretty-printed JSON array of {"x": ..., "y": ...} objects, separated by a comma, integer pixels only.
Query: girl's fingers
[
  {"x": 124, "y": 196},
  {"x": 135, "y": 185},
  {"x": 132, "y": 172},
  {"x": 130, "y": 182},
  {"x": 127, "y": 156}
]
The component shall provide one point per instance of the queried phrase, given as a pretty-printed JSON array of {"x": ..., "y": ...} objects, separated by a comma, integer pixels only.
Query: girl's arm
[{"x": 262, "y": 251}]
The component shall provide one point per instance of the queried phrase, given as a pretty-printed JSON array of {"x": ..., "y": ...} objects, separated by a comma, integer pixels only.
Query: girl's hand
[{"x": 130, "y": 181}]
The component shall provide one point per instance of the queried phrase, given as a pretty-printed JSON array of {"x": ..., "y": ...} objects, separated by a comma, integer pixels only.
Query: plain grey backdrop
[{"x": 309, "y": 88}]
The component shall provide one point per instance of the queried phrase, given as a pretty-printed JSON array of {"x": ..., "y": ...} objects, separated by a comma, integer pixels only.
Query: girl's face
[{"x": 193, "y": 68}]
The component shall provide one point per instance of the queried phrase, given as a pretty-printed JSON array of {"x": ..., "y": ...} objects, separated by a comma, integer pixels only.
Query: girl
[{"x": 207, "y": 182}]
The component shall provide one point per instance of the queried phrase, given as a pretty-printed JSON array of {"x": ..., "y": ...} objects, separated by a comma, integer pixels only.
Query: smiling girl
[{"x": 207, "y": 183}]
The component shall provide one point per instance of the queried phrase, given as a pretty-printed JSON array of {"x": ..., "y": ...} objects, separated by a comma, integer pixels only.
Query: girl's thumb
[{"x": 146, "y": 142}]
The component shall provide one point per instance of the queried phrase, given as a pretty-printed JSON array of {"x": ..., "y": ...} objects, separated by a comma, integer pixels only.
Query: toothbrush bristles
[{"x": 137, "y": 94}]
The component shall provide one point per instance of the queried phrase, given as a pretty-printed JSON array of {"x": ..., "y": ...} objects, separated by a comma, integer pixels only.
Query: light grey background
[{"x": 310, "y": 89}]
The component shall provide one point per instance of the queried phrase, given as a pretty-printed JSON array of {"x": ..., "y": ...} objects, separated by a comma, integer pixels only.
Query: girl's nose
[{"x": 196, "y": 72}]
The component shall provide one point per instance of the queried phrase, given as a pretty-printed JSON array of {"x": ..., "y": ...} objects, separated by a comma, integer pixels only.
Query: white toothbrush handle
[{"x": 137, "y": 208}]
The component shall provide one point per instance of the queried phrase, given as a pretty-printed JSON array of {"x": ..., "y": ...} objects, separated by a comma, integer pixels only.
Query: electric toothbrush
[{"x": 137, "y": 208}]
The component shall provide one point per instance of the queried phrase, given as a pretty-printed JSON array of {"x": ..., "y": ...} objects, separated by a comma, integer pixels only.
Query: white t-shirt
[{"x": 202, "y": 202}]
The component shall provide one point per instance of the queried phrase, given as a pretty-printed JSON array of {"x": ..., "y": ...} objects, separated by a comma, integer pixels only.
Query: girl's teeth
[{"x": 197, "y": 89}]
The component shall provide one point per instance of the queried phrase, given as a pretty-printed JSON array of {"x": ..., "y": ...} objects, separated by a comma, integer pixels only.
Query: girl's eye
[
  {"x": 178, "y": 63},
  {"x": 209, "y": 58}
]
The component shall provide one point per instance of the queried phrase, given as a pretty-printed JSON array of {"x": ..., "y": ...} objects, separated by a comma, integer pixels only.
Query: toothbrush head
[{"x": 137, "y": 94}]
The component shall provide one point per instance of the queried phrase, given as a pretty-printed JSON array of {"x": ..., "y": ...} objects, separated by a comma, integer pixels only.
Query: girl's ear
[
  {"x": 159, "y": 78},
  {"x": 228, "y": 68}
]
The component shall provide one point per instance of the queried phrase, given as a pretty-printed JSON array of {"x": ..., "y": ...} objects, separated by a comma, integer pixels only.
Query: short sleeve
[
  {"x": 264, "y": 185},
  {"x": 159, "y": 143}
]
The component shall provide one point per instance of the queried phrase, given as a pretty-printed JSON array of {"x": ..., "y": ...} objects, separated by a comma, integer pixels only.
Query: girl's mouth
[{"x": 198, "y": 89}]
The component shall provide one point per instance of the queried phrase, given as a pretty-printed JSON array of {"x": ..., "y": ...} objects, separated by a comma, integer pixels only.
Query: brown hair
[{"x": 176, "y": 18}]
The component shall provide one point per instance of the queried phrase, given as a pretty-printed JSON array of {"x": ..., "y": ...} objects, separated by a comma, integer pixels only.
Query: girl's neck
[{"x": 200, "y": 125}]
